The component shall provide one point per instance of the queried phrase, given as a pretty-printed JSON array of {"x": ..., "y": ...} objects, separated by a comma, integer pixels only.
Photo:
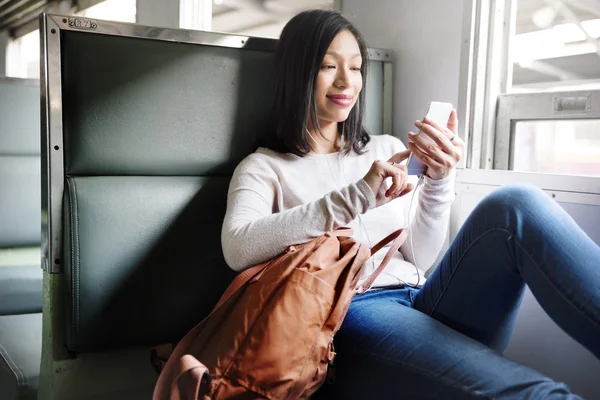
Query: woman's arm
[{"x": 254, "y": 231}]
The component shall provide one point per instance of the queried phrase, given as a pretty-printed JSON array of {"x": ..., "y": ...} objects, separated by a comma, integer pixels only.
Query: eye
[
  {"x": 327, "y": 66},
  {"x": 356, "y": 69}
]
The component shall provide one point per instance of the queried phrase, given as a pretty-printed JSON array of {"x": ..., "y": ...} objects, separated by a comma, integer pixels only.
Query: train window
[
  {"x": 113, "y": 10},
  {"x": 23, "y": 56},
  {"x": 555, "y": 46},
  {"x": 531, "y": 85},
  {"x": 23, "y": 53},
  {"x": 265, "y": 19},
  {"x": 564, "y": 147}
]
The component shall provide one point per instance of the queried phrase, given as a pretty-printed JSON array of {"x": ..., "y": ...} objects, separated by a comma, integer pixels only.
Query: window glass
[
  {"x": 555, "y": 46},
  {"x": 562, "y": 147},
  {"x": 247, "y": 18},
  {"x": 23, "y": 53},
  {"x": 23, "y": 56},
  {"x": 112, "y": 10}
]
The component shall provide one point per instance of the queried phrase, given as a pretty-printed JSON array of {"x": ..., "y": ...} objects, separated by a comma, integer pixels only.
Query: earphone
[{"x": 421, "y": 178}]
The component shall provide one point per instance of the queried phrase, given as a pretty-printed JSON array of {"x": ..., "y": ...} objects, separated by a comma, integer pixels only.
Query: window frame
[
  {"x": 544, "y": 106},
  {"x": 487, "y": 112},
  {"x": 484, "y": 75}
]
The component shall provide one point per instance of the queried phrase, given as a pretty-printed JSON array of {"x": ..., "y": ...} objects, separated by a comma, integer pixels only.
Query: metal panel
[
  {"x": 379, "y": 54},
  {"x": 563, "y": 188},
  {"x": 579, "y": 196},
  {"x": 575, "y": 184},
  {"x": 373, "y": 118},
  {"x": 72, "y": 23},
  {"x": 379, "y": 107},
  {"x": 388, "y": 98},
  {"x": 538, "y": 106},
  {"x": 51, "y": 144}
]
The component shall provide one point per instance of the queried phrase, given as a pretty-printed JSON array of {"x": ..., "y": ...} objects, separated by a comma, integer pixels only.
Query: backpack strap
[
  {"x": 240, "y": 280},
  {"x": 192, "y": 381},
  {"x": 397, "y": 238}
]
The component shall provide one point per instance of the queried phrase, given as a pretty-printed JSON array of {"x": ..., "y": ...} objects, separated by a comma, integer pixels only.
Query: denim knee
[{"x": 516, "y": 197}]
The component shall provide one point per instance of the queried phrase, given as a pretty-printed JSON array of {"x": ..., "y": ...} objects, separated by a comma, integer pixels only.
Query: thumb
[{"x": 399, "y": 157}]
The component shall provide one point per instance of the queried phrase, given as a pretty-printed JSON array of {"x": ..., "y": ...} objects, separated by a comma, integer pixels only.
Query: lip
[
  {"x": 343, "y": 100},
  {"x": 340, "y": 96}
]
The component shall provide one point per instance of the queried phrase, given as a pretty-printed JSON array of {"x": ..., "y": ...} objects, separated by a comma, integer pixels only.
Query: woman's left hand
[{"x": 443, "y": 157}]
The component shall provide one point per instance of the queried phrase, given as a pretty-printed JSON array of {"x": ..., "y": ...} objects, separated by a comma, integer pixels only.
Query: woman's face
[{"x": 339, "y": 80}]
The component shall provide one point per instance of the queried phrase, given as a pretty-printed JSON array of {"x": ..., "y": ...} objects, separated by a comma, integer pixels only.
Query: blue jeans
[{"x": 445, "y": 341}]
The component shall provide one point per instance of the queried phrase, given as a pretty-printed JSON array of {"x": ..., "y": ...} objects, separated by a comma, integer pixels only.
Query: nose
[{"x": 342, "y": 80}]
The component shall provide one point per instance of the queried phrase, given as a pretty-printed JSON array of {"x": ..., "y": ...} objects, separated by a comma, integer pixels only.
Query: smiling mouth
[{"x": 341, "y": 100}]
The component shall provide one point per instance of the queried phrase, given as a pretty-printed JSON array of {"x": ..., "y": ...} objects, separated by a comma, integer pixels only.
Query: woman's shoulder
[
  {"x": 263, "y": 159},
  {"x": 385, "y": 145}
]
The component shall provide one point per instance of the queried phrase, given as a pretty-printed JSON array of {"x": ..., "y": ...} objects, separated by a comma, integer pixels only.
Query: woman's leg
[
  {"x": 388, "y": 350},
  {"x": 516, "y": 235}
]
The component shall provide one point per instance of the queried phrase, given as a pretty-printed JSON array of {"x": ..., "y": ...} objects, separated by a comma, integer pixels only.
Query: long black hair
[{"x": 300, "y": 51}]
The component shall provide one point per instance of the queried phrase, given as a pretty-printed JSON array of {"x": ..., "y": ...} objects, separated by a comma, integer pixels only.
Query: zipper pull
[
  {"x": 330, "y": 364},
  {"x": 331, "y": 372}
]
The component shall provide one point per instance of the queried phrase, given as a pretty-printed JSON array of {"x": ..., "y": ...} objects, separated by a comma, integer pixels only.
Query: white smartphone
[{"x": 440, "y": 113}]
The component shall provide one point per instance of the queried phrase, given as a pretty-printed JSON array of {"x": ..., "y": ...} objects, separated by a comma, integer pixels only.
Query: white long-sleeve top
[{"x": 276, "y": 200}]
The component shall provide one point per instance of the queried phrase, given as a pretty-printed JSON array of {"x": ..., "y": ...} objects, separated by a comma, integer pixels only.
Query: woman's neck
[{"x": 328, "y": 142}]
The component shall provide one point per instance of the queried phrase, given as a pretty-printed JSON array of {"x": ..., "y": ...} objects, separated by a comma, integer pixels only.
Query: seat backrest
[
  {"x": 145, "y": 129},
  {"x": 19, "y": 163}
]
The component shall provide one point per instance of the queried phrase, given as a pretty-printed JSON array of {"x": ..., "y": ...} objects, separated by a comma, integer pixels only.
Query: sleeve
[
  {"x": 254, "y": 232},
  {"x": 429, "y": 225}
]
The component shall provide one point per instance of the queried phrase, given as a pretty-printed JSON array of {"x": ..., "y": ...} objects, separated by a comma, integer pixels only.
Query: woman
[{"x": 440, "y": 338}]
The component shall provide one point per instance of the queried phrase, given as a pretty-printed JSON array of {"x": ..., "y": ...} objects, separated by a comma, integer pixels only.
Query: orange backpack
[{"x": 271, "y": 334}]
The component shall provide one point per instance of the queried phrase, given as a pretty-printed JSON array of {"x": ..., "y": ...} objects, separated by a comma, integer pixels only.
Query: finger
[
  {"x": 399, "y": 157},
  {"x": 409, "y": 188},
  {"x": 426, "y": 158},
  {"x": 445, "y": 131},
  {"x": 446, "y": 158},
  {"x": 398, "y": 175},
  {"x": 437, "y": 148},
  {"x": 446, "y": 140},
  {"x": 453, "y": 148},
  {"x": 440, "y": 135},
  {"x": 448, "y": 132},
  {"x": 389, "y": 171},
  {"x": 404, "y": 180},
  {"x": 398, "y": 183}
]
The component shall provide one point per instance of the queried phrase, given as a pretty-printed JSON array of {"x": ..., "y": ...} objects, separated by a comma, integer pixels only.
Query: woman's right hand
[{"x": 381, "y": 170}]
